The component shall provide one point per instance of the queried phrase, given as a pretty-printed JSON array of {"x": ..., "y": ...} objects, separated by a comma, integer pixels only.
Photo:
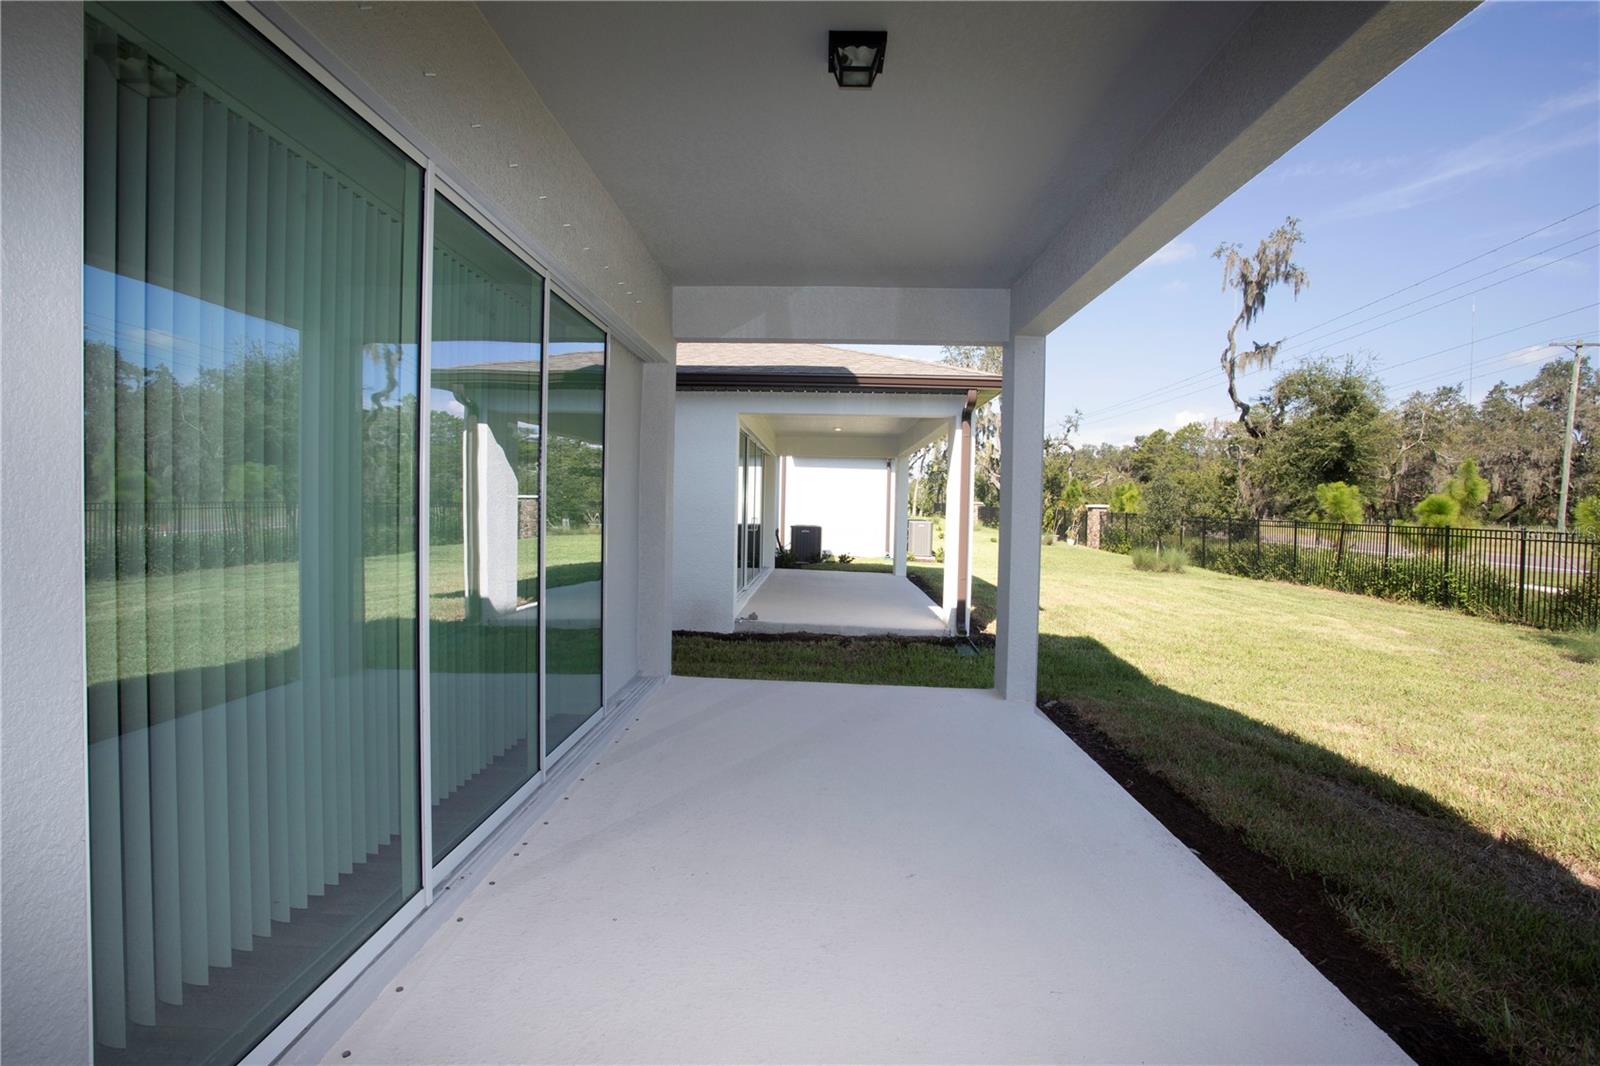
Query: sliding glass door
[
  {"x": 253, "y": 290},
  {"x": 750, "y": 522},
  {"x": 483, "y": 553},
  {"x": 574, "y": 521},
  {"x": 251, "y": 283}
]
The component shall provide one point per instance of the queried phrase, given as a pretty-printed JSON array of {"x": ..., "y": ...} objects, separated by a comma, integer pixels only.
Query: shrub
[
  {"x": 1339, "y": 502},
  {"x": 845, "y": 558},
  {"x": 1125, "y": 498},
  {"x": 1587, "y": 515},
  {"x": 1160, "y": 560},
  {"x": 1438, "y": 511},
  {"x": 1469, "y": 489}
]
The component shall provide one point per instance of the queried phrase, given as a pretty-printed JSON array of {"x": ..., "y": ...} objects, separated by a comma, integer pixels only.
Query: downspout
[{"x": 964, "y": 555}]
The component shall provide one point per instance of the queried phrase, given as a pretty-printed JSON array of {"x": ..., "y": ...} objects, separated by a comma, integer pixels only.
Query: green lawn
[
  {"x": 1439, "y": 773},
  {"x": 206, "y": 618}
]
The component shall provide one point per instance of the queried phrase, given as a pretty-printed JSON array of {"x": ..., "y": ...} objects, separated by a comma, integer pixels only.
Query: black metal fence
[{"x": 1536, "y": 577}]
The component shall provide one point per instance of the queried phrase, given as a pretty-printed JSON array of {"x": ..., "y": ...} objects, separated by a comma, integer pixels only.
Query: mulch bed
[{"x": 1298, "y": 908}]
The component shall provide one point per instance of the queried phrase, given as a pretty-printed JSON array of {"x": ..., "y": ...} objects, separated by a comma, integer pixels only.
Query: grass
[
  {"x": 1440, "y": 774},
  {"x": 206, "y": 618}
]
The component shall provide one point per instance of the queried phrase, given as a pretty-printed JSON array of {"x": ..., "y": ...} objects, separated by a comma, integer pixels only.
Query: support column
[
  {"x": 902, "y": 510},
  {"x": 657, "y": 427},
  {"x": 1016, "y": 664},
  {"x": 954, "y": 527}
]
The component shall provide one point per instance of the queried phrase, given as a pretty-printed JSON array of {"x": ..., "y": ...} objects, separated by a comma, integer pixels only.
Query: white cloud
[
  {"x": 1536, "y": 353},
  {"x": 1506, "y": 150},
  {"x": 1174, "y": 251},
  {"x": 1183, "y": 418}
]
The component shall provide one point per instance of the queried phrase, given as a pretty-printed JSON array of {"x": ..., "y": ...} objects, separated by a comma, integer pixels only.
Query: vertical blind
[
  {"x": 483, "y": 642},
  {"x": 250, "y": 414}
]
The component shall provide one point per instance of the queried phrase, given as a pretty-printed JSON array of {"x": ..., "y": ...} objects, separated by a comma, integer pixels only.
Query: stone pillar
[
  {"x": 1016, "y": 663},
  {"x": 1094, "y": 519}
]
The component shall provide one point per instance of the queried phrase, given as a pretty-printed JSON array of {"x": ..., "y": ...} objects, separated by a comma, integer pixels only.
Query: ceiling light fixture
[
  {"x": 838, "y": 429},
  {"x": 855, "y": 57}
]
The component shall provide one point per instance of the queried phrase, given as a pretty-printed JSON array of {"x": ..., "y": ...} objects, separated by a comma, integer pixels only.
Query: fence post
[
  {"x": 1522, "y": 575},
  {"x": 1449, "y": 597},
  {"x": 1388, "y": 528},
  {"x": 1202, "y": 543},
  {"x": 1258, "y": 543},
  {"x": 1295, "y": 554}
]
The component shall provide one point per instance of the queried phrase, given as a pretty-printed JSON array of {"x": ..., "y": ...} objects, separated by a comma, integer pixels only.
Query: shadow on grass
[
  {"x": 1579, "y": 647},
  {"x": 1503, "y": 937}
]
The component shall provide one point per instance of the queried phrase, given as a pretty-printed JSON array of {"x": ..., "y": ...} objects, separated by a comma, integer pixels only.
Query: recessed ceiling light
[
  {"x": 514, "y": 166},
  {"x": 429, "y": 74},
  {"x": 477, "y": 125},
  {"x": 543, "y": 197},
  {"x": 586, "y": 247},
  {"x": 566, "y": 225},
  {"x": 838, "y": 429}
]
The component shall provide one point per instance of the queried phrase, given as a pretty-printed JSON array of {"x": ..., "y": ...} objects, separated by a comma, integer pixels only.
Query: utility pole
[{"x": 1576, "y": 348}]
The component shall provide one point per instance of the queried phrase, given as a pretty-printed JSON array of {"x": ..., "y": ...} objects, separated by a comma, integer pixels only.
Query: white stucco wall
[
  {"x": 849, "y": 498},
  {"x": 551, "y": 199},
  {"x": 705, "y": 461},
  {"x": 620, "y": 643},
  {"x": 44, "y": 966}
]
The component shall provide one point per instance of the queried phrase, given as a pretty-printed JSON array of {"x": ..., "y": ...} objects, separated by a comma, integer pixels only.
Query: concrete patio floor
[
  {"x": 840, "y": 601},
  {"x": 768, "y": 872}
]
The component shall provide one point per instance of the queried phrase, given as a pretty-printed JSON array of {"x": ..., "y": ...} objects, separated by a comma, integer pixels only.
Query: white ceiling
[{"x": 720, "y": 134}]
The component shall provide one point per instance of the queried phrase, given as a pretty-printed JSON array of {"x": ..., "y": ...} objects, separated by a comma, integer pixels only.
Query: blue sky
[{"x": 1491, "y": 132}]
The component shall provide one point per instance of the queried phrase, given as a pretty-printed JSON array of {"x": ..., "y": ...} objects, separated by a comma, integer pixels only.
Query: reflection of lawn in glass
[{"x": 212, "y": 617}]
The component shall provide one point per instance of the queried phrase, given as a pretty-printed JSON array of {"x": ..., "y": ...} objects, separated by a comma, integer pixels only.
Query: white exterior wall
[
  {"x": 44, "y": 816},
  {"x": 705, "y": 479},
  {"x": 620, "y": 641},
  {"x": 849, "y": 498}
]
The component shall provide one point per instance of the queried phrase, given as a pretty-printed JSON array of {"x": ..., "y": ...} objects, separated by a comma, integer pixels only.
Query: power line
[
  {"x": 1112, "y": 407},
  {"x": 1457, "y": 285},
  {"x": 1446, "y": 270},
  {"x": 1302, "y": 359},
  {"x": 1381, "y": 367}
]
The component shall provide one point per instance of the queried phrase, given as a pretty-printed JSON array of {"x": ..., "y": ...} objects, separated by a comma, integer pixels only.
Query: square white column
[
  {"x": 902, "y": 509},
  {"x": 1016, "y": 664}
]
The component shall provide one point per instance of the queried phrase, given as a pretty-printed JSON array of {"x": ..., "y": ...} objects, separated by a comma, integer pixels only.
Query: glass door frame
[
  {"x": 304, "y": 52},
  {"x": 554, "y": 288},
  {"x": 442, "y": 870}
]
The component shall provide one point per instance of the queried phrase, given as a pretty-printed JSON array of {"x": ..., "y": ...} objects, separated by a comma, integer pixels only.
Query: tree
[
  {"x": 1339, "y": 502},
  {"x": 1468, "y": 489},
  {"x": 1254, "y": 276},
  {"x": 932, "y": 463},
  {"x": 1327, "y": 423},
  {"x": 1586, "y": 516},
  {"x": 1064, "y": 494},
  {"x": 1425, "y": 431},
  {"x": 1125, "y": 498},
  {"x": 1437, "y": 511}
]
